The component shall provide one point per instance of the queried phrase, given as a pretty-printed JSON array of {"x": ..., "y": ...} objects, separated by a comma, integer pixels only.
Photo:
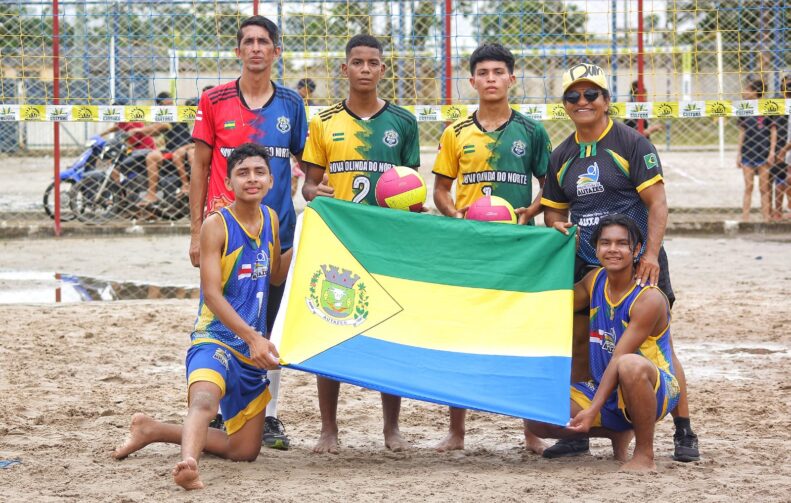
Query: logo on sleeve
[{"x": 650, "y": 161}]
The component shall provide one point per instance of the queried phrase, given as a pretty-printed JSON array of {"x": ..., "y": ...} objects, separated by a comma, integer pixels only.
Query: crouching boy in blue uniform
[
  {"x": 229, "y": 356},
  {"x": 633, "y": 381}
]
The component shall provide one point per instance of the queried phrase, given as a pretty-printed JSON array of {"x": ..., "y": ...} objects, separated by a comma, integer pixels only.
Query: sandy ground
[{"x": 71, "y": 376}]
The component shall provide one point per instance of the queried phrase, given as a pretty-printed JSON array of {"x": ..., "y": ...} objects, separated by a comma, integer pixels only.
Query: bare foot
[
  {"x": 620, "y": 444},
  {"x": 534, "y": 444},
  {"x": 453, "y": 442},
  {"x": 395, "y": 442},
  {"x": 186, "y": 474},
  {"x": 328, "y": 442},
  {"x": 139, "y": 436},
  {"x": 639, "y": 463}
]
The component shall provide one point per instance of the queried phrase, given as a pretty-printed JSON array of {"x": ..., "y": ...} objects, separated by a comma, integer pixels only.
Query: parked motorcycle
[
  {"x": 69, "y": 177},
  {"x": 118, "y": 190}
]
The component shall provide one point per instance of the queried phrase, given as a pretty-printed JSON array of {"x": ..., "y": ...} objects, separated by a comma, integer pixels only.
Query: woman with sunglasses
[{"x": 604, "y": 168}]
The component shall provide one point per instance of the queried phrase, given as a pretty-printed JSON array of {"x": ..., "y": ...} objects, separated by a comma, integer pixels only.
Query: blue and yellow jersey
[
  {"x": 494, "y": 163},
  {"x": 246, "y": 265},
  {"x": 608, "y": 322},
  {"x": 602, "y": 178},
  {"x": 354, "y": 152}
]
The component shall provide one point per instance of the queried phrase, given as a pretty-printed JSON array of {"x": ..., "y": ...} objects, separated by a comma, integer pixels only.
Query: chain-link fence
[{"x": 713, "y": 78}]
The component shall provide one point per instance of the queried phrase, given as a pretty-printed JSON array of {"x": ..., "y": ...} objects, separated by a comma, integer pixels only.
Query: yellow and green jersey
[
  {"x": 355, "y": 151},
  {"x": 497, "y": 163}
]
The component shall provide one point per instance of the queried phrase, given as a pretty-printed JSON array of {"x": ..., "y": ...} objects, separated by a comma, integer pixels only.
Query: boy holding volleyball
[
  {"x": 349, "y": 146},
  {"x": 495, "y": 151}
]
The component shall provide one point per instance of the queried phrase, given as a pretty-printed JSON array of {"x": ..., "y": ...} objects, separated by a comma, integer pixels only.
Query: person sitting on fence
[{"x": 178, "y": 139}]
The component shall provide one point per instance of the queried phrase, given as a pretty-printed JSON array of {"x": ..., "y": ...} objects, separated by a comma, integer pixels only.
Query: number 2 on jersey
[{"x": 363, "y": 184}]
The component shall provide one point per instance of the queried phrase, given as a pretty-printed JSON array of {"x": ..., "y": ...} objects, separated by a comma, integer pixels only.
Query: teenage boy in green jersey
[
  {"x": 495, "y": 151},
  {"x": 349, "y": 146}
]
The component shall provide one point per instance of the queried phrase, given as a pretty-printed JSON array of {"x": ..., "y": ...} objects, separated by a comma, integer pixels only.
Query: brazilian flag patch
[
  {"x": 229, "y": 125},
  {"x": 468, "y": 149},
  {"x": 650, "y": 161}
]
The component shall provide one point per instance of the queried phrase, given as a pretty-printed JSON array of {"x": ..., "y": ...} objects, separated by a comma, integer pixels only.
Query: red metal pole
[
  {"x": 255, "y": 7},
  {"x": 448, "y": 61},
  {"x": 56, "y": 101},
  {"x": 640, "y": 88}
]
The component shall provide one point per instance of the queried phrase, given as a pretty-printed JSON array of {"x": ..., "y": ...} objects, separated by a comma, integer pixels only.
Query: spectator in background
[
  {"x": 632, "y": 123},
  {"x": 178, "y": 138},
  {"x": 757, "y": 143},
  {"x": 306, "y": 87},
  {"x": 138, "y": 141},
  {"x": 780, "y": 172}
]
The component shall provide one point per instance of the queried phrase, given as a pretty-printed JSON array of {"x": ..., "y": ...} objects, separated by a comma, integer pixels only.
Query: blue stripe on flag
[{"x": 528, "y": 387}]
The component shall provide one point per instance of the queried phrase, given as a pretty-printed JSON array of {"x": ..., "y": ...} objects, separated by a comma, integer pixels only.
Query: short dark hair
[
  {"x": 263, "y": 22},
  {"x": 244, "y": 151},
  {"x": 308, "y": 84},
  {"x": 491, "y": 52},
  {"x": 161, "y": 97},
  {"x": 636, "y": 238},
  {"x": 756, "y": 85},
  {"x": 363, "y": 40}
]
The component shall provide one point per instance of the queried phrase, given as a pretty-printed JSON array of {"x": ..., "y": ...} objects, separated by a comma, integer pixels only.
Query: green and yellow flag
[{"x": 470, "y": 314}]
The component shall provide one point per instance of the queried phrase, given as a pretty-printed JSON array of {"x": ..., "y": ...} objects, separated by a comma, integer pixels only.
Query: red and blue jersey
[{"x": 224, "y": 121}]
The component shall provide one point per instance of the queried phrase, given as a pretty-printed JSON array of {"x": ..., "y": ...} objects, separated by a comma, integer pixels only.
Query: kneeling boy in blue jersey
[
  {"x": 633, "y": 383},
  {"x": 240, "y": 256}
]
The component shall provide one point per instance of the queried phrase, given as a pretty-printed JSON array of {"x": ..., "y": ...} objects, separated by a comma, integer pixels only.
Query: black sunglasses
[{"x": 573, "y": 97}]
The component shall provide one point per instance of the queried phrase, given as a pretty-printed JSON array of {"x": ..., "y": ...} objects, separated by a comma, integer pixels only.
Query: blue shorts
[
  {"x": 244, "y": 387},
  {"x": 613, "y": 415},
  {"x": 749, "y": 162}
]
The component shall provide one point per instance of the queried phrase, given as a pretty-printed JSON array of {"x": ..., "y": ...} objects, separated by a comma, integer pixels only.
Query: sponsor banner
[
  {"x": 665, "y": 109},
  {"x": 187, "y": 114},
  {"x": 556, "y": 111},
  {"x": 535, "y": 112},
  {"x": 772, "y": 107},
  {"x": 745, "y": 108},
  {"x": 111, "y": 113},
  {"x": 718, "y": 108},
  {"x": 85, "y": 113},
  {"x": 692, "y": 108},
  {"x": 427, "y": 113},
  {"x": 422, "y": 113},
  {"x": 137, "y": 114},
  {"x": 638, "y": 110},
  {"x": 453, "y": 112},
  {"x": 32, "y": 113},
  {"x": 164, "y": 114},
  {"x": 9, "y": 113}
]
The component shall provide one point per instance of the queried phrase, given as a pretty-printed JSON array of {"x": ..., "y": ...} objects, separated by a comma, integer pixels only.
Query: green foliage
[{"x": 531, "y": 22}]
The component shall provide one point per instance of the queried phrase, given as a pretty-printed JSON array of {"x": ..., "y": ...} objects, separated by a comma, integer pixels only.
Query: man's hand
[
  {"x": 461, "y": 212},
  {"x": 525, "y": 214},
  {"x": 582, "y": 422},
  {"x": 324, "y": 189},
  {"x": 647, "y": 270},
  {"x": 194, "y": 250},
  {"x": 263, "y": 353}
]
